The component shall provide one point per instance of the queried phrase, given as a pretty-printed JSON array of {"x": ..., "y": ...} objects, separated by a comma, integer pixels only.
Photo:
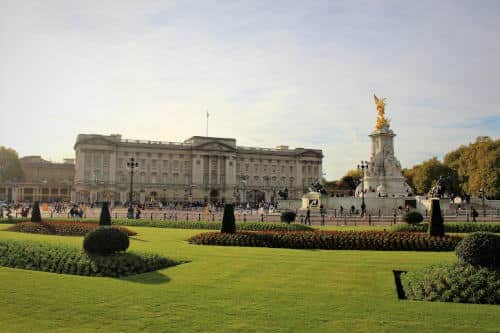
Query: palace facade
[
  {"x": 43, "y": 181},
  {"x": 198, "y": 169}
]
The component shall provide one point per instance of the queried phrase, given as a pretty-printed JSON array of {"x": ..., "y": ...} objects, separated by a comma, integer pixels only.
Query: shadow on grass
[
  {"x": 399, "y": 286},
  {"x": 147, "y": 278},
  {"x": 138, "y": 239}
]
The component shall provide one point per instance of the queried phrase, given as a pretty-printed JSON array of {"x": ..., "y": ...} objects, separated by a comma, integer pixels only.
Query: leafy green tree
[
  {"x": 10, "y": 166},
  {"x": 423, "y": 176}
]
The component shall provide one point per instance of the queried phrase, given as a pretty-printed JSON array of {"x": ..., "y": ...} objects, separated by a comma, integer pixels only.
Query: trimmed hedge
[
  {"x": 69, "y": 260},
  {"x": 288, "y": 216},
  {"x": 61, "y": 228},
  {"x": 256, "y": 226},
  {"x": 436, "y": 224},
  {"x": 479, "y": 248},
  {"x": 105, "y": 241},
  {"x": 228, "y": 220},
  {"x": 413, "y": 217},
  {"x": 453, "y": 283},
  {"x": 456, "y": 227},
  {"x": 331, "y": 240}
]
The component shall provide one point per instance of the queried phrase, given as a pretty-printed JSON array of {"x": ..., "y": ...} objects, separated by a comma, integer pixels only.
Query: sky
[{"x": 296, "y": 73}]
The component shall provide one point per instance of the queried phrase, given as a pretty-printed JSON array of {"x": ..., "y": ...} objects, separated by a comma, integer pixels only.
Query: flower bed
[
  {"x": 61, "y": 228},
  {"x": 331, "y": 240},
  {"x": 69, "y": 260},
  {"x": 455, "y": 227}
]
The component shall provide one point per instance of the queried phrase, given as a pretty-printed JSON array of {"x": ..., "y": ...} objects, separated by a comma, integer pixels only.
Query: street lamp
[
  {"x": 131, "y": 165},
  {"x": 363, "y": 166},
  {"x": 481, "y": 190}
]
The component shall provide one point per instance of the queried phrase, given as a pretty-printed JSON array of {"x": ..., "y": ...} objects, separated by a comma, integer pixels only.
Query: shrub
[
  {"x": 105, "y": 241},
  {"x": 105, "y": 218},
  {"x": 455, "y": 227},
  {"x": 228, "y": 220},
  {"x": 212, "y": 225},
  {"x": 453, "y": 283},
  {"x": 479, "y": 248},
  {"x": 331, "y": 240},
  {"x": 413, "y": 217},
  {"x": 61, "y": 228},
  {"x": 36, "y": 216},
  {"x": 436, "y": 227},
  {"x": 69, "y": 260},
  {"x": 288, "y": 216}
]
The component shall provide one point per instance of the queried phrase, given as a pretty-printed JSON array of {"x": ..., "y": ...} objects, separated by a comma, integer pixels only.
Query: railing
[{"x": 253, "y": 215}]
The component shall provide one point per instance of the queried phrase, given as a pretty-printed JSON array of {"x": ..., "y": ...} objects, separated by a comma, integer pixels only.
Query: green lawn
[{"x": 231, "y": 289}]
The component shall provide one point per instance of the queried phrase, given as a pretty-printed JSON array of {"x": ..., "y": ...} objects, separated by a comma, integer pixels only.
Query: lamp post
[
  {"x": 481, "y": 190},
  {"x": 363, "y": 166},
  {"x": 131, "y": 165}
]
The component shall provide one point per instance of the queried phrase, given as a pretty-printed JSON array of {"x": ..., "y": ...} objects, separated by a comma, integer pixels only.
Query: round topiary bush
[
  {"x": 105, "y": 241},
  {"x": 479, "y": 248},
  {"x": 413, "y": 217},
  {"x": 288, "y": 217}
]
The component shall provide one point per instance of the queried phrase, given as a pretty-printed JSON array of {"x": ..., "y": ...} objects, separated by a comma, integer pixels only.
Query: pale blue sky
[{"x": 300, "y": 73}]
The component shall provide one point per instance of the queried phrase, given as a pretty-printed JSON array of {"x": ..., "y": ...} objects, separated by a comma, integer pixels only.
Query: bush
[
  {"x": 288, "y": 216},
  {"x": 105, "y": 241},
  {"x": 61, "y": 228},
  {"x": 69, "y": 260},
  {"x": 331, "y": 240},
  {"x": 228, "y": 220},
  {"x": 436, "y": 226},
  {"x": 213, "y": 225},
  {"x": 453, "y": 283},
  {"x": 455, "y": 227},
  {"x": 36, "y": 216},
  {"x": 479, "y": 248},
  {"x": 413, "y": 217},
  {"x": 105, "y": 218}
]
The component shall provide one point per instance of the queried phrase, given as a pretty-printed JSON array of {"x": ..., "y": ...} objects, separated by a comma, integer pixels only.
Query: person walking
[
  {"x": 308, "y": 216},
  {"x": 474, "y": 214}
]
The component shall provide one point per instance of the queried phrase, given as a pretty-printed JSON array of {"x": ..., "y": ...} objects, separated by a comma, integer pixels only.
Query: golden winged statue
[{"x": 381, "y": 119}]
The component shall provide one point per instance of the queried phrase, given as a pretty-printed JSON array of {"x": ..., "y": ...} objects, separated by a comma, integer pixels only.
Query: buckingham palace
[{"x": 198, "y": 169}]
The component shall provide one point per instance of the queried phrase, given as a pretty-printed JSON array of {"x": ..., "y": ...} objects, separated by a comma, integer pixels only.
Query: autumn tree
[{"x": 477, "y": 165}]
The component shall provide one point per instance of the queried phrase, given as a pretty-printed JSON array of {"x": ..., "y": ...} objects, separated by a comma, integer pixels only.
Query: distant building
[
  {"x": 198, "y": 169},
  {"x": 44, "y": 181}
]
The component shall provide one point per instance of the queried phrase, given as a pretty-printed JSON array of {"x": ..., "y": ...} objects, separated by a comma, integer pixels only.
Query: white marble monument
[{"x": 383, "y": 177}]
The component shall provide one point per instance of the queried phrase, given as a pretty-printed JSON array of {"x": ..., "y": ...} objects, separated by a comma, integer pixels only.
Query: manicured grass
[{"x": 232, "y": 289}]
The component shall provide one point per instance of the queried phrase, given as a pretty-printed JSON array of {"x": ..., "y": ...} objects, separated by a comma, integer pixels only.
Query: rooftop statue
[{"x": 381, "y": 119}]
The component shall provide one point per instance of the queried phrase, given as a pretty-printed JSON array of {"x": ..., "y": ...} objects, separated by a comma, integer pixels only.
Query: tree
[
  {"x": 10, "y": 166},
  {"x": 36, "y": 216},
  {"x": 477, "y": 165},
  {"x": 423, "y": 176},
  {"x": 351, "y": 179},
  {"x": 228, "y": 220}
]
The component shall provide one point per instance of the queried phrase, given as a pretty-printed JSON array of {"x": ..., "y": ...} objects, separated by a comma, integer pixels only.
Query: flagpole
[{"x": 207, "y": 124}]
